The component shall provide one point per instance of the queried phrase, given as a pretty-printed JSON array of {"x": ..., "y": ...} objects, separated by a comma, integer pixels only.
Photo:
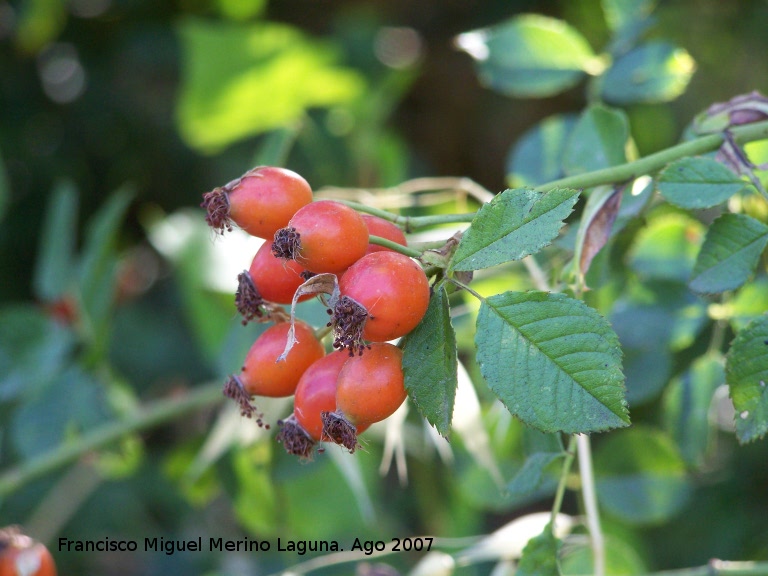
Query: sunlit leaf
[
  {"x": 55, "y": 262},
  {"x": 239, "y": 80},
  {"x": 553, "y": 361},
  {"x": 430, "y": 364},
  {"x": 666, "y": 248},
  {"x": 653, "y": 72},
  {"x": 597, "y": 140},
  {"x": 747, "y": 304},
  {"x": 640, "y": 476},
  {"x": 698, "y": 182},
  {"x": 687, "y": 405},
  {"x": 729, "y": 255},
  {"x": 746, "y": 372},
  {"x": 529, "y": 55},
  {"x": 513, "y": 225},
  {"x": 538, "y": 155}
]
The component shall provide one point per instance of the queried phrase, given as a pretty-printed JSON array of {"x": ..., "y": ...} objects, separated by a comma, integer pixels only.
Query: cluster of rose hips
[{"x": 373, "y": 295}]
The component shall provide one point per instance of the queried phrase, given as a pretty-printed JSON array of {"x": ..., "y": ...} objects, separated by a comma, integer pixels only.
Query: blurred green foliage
[{"x": 115, "y": 115}]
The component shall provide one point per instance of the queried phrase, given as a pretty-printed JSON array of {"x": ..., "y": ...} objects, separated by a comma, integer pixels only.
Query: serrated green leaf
[
  {"x": 666, "y": 248},
  {"x": 430, "y": 364},
  {"x": 698, "y": 182},
  {"x": 530, "y": 477},
  {"x": 537, "y": 156},
  {"x": 597, "y": 141},
  {"x": 687, "y": 404},
  {"x": 514, "y": 224},
  {"x": 640, "y": 476},
  {"x": 242, "y": 79},
  {"x": 540, "y": 556},
  {"x": 653, "y": 72},
  {"x": 553, "y": 361},
  {"x": 54, "y": 266},
  {"x": 729, "y": 255},
  {"x": 746, "y": 373},
  {"x": 529, "y": 55}
]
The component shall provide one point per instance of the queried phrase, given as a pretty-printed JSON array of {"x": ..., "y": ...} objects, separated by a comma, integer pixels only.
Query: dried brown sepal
[
  {"x": 287, "y": 243},
  {"x": 348, "y": 318},
  {"x": 234, "y": 389},
  {"x": 336, "y": 428},
  {"x": 248, "y": 301},
  {"x": 216, "y": 205},
  {"x": 295, "y": 439}
]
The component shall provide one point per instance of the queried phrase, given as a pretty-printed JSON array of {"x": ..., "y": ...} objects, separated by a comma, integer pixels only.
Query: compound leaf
[
  {"x": 430, "y": 364},
  {"x": 746, "y": 373},
  {"x": 553, "y": 361},
  {"x": 731, "y": 250},
  {"x": 514, "y": 224}
]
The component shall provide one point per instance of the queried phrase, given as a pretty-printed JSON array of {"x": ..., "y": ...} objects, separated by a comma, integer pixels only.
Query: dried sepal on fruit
[{"x": 260, "y": 202}]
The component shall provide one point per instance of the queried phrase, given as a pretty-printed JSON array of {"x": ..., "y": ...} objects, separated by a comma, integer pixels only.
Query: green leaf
[
  {"x": 98, "y": 266},
  {"x": 747, "y": 304},
  {"x": 653, "y": 72},
  {"x": 239, "y": 80},
  {"x": 540, "y": 555},
  {"x": 666, "y": 248},
  {"x": 537, "y": 156},
  {"x": 553, "y": 361},
  {"x": 746, "y": 373},
  {"x": 597, "y": 141},
  {"x": 698, "y": 182},
  {"x": 729, "y": 255},
  {"x": 687, "y": 403},
  {"x": 640, "y": 476},
  {"x": 531, "y": 476},
  {"x": 72, "y": 403},
  {"x": 514, "y": 224},
  {"x": 621, "y": 558},
  {"x": 621, "y": 13},
  {"x": 529, "y": 56},
  {"x": 56, "y": 252},
  {"x": 430, "y": 364},
  {"x": 33, "y": 350}
]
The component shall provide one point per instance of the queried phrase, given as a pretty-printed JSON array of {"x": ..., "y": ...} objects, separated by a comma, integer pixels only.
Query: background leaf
[
  {"x": 597, "y": 140},
  {"x": 654, "y": 72},
  {"x": 531, "y": 476},
  {"x": 729, "y": 255},
  {"x": 620, "y": 13},
  {"x": 554, "y": 362},
  {"x": 746, "y": 372},
  {"x": 537, "y": 155},
  {"x": 232, "y": 73},
  {"x": 698, "y": 183},
  {"x": 55, "y": 262},
  {"x": 513, "y": 225},
  {"x": 430, "y": 364},
  {"x": 666, "y": 248},
  {"x": 640, "y": 476},
  {"x": 540, "y": 556},
  {"x": 529, "y": 56},
  {"x": 687, "y": 403}
]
